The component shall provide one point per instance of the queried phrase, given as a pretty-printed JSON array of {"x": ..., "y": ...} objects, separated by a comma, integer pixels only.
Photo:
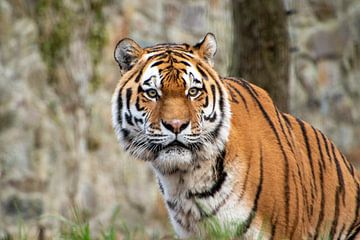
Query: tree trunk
[{"x": 261, "y": 46}]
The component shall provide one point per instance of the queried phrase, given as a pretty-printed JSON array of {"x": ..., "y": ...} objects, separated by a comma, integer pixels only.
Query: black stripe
[
  {"x": 304, "y": 191},
  {"x": 157, "y": 63},
  {"x": 203, "y": 213},
  {"x": 232, "y": 94},
  {"x": 273, "y": 229},
  {"x": 202, "y": 73},
  {"x": 322, "y": 160},
  {"x": 283, "y": 130},
  {"x": 245, "y": 181},
  {"x": 342, "y": 231},
  {"x": 158, "y": 55},
  {"x": 248, "y": 85},
  {"x": 336, "y": 213},
  {"x": 326, "y": 146},
  {"x": 347, "y": 164},
  {"x": 250, "y": 218},
  {"x": 214, "y": 97},
  {"x": 137, "y": 104},
  {"x": 313, "y": 183},
  {"x": 183, "y": 225},
  {"x": 212, "y": 116},
  {"x": 221, "y": 94},
  {"x": 206, "y": 102},
  {"x": 322, "y": 202},
  {"x": 222, "y": 203},
  {"x": 244, "y": 84},
  {"x": 212, "y": 74},
  {"x": 125, "y": 133},
  {"x": 197, "y": 81},
  {"x": 286, "y": 161},
  {"x": 339, "y": 173},
  {"x": 185, "y": 63},
  {"x": 181, "y": 55},
  {"x": 214, "y": 134},
  {"x": 171, "y": 204},
  {"x": 241, "y": 96},
  {"x": 160, "y": 186},
  {"x": 288, "y": 122},
  {"x": 308, "y": 149},
  {"x": 288, "y": 127},
  {"x": 140, "y": 89},
  {"x": 128, "y": 118},
  {"x": 354, "y": 233},
  {"x": 137, "y": 79},
  {"x": 128, "y": 115},
  {"x": 337, "y": 193},
  {"x": 138, "y": 121},
  {"x": 221, "y": 100},
  {"x": 119, "y": 107},
  {"x": 221, "y": 177},
  {"x": 129, "y": 78},
  {"x": 296, "y": 207},
  {"x": 356, "y": 216},
  {"x": 128, "y": 98}
]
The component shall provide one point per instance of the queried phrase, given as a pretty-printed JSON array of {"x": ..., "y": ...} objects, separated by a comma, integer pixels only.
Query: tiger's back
[
  {"x": 221, "y": 150},
  {"x": 316, "y": 189}
]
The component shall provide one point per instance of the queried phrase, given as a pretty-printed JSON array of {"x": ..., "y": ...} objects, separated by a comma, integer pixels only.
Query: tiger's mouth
[
  {"x": 173, "y": 157},
  {"x": 176, "y": 144},
  {"x": 174, "y": 147}
]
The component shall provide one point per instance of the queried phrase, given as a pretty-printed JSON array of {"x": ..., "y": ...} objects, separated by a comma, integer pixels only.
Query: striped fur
[{"x": 221, "y": 149}]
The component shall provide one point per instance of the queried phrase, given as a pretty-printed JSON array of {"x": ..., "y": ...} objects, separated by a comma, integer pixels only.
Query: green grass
[
  {"x": 79, "y": 230},
  {"x": 213, "y": 230},
  {"x": 22, "y": 232},
  {"x": 77, "y": 227}
]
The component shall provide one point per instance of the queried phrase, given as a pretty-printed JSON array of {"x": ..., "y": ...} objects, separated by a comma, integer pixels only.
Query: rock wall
[
  {"x": 57, "y": 147},
  {"x": 325, "y": 78}
]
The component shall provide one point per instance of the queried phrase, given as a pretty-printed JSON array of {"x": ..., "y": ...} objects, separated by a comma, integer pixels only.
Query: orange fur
[{"x": 251, "y": 131}]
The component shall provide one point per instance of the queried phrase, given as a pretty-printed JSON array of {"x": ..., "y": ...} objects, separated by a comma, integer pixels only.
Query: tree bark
[{"x": 261, "y": 46}]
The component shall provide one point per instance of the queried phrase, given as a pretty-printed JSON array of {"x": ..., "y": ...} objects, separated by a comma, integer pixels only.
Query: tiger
[{"x": 224, "y": 154}]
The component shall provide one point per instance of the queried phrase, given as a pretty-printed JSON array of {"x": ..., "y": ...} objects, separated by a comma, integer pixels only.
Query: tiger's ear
[
  {"x": 127, "y": 53},
  {"x": 206, "y": 48}
]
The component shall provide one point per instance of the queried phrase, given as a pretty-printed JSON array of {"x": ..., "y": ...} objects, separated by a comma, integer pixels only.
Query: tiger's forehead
[
  {"x": 169, "y": 46},
  {"x": 169, "y": 67},
  {"x": 175, "y": 53}
]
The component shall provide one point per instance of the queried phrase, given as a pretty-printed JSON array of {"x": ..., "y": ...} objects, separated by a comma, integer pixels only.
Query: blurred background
[{"x": 58, "y": 152}]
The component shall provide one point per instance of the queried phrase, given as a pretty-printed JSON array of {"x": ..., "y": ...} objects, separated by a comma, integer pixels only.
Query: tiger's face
[{"x": 170, "y": 106}]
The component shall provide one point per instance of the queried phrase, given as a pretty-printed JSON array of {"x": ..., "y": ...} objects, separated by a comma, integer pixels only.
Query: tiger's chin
[{"x": 173, "y": 159}]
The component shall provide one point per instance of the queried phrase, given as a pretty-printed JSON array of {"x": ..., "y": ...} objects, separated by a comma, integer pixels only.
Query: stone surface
[
  {"x": 324, "y": 9},
  {"x": 328, "y": 41},
  {"x": 325, "y": 84}
]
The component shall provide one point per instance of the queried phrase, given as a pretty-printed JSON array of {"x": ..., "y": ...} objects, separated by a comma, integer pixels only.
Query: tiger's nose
[{"x": 175, "y": 125}]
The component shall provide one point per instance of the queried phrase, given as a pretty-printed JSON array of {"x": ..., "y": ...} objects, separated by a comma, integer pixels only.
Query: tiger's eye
[
  {"x": 193, "y": 92},
  {"x": 152, "y": 93}
]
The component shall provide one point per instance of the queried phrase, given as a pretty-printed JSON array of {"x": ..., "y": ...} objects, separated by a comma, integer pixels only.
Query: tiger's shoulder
[{"x": 300, "y": 166}]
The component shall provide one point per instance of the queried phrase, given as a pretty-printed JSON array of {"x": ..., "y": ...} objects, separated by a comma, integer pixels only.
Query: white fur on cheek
[{"x": 115, "y": 112}]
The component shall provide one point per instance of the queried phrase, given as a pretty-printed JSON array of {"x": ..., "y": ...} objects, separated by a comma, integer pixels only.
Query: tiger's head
[{"x": 170, "y": 107}]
